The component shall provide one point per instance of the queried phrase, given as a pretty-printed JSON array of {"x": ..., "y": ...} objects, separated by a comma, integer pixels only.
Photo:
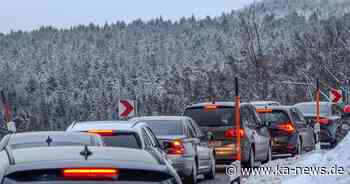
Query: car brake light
[
  {"x": 102, "y": 132},
  {"x": 263, "y": 110},
  {"x": 287, "y": 127},
  {"x": 324, "y": 121},
  {"x": 90, "y": 173},
  {"x": 176, "y": 148},
  {"x": 210, "y": 106},
  {"x": 230, "y": 133}
]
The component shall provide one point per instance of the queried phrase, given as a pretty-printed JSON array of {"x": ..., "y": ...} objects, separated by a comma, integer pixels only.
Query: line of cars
[{"x": 165, "y": 149}]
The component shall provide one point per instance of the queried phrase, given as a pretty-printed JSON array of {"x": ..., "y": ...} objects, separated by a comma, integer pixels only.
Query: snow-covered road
[{"x": 331, "y": 160}]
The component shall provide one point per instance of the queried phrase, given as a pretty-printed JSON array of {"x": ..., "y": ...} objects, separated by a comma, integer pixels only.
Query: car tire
[
  {"x": 269, "y": 155},
  {"x": 192, "y": 179},
  {"x": 298, "y": 150},
  {"x": 211, "y": 174},
  {"x": 251, "y": 160}
]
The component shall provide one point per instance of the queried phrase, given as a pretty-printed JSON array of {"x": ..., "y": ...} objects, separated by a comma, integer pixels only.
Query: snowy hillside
[
  {"x": 53, "y": 77},
  {"x": 326, "y": 8},
  {"x": 340, "y": 157}
]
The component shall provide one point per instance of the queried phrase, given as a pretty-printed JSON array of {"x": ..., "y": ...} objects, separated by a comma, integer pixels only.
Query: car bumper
[
  {"x": 228, "y": 153},
  {"x": 182, "y": 164},
  {"x": 328, "y": 135},
  {"x": 282, "y": 145}
]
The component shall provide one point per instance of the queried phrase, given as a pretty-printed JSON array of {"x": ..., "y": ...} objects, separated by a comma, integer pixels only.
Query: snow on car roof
[
  {"x": 103, "y": 125},
  {"x": 174, "y": 118},
  {"x": 264, "y": 102},
  {"x": 313, "y": 103},
  {"x": 202, "y": 104}
]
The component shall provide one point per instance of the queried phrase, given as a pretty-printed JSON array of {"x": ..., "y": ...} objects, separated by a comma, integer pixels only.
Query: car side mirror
[
  {"x": 166, "y": 145},
  {"x": 345, "y": 127}
]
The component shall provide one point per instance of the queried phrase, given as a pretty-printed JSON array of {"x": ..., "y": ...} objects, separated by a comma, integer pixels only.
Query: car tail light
[
  {"x": 102, "y": 132},
  {"x": 176, "y": 148},
  {"x": 263, "y": 110},
  {"x": 230, "y": 133},
  {"x": 286, "y": 127},
  {"x": 324, "y": 121},
  {"x": 90, "y": 173}
]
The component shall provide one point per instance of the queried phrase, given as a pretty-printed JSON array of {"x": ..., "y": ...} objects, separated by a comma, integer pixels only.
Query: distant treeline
[{"x": 53, "y": 77}]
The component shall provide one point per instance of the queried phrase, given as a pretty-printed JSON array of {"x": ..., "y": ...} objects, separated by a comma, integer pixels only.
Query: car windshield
[
  {"x": 274, "y": 117},
  {"x": 310, "y": 110},
  {"x": 126, "y": 140},
  {"x": 211, "y": 117},
  {"x": 166, "y": 127}
]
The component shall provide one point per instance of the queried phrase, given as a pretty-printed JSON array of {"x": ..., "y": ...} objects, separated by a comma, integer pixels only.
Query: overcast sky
[{"x": 31, "y": 14}]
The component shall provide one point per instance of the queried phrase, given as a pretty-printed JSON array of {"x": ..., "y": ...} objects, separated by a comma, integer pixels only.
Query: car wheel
[
  {"x": 192, "y": 179},
  {"x": 299, "y": 148},
  {"x": 269, "y": 155},
  {"x": 251, "y": 162},
  {"x": 211, "y": 174}
]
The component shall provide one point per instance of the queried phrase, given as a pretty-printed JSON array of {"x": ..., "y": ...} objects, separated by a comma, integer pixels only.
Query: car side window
[
  {"x": 295, "y": 116},
  {"x": 198, "y": 131},
  {"x": 255, "y": 116},
  {"x": 154, "y": 139},
  {"x": 247, "y": 117},
  {"x": 300, "y": 115},
  {"x": 190, "y": 130},
  {"x": 146, "y": 139}
]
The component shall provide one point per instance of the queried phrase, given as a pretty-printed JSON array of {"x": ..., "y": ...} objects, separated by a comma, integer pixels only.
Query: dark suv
[
  {"x": 216, "y": 120},
  {"x": 331, "y": 120},
  {"x": 290, "y": 132}
]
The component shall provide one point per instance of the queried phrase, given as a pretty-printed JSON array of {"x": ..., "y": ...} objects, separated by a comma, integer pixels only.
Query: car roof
[
  {"x": 281, "y": 107},
  {"x": 62, "y": 153},
  {"x": 50, "y": 133},
  {"x": 227, "y": 104},
  {"x": 54, "y": 135},
  {"x": 104, "y": 125},
  {"x": 313, "y": 103},
  {"x": 173, "y": 118},
  {"x": 263, "y": 102}
]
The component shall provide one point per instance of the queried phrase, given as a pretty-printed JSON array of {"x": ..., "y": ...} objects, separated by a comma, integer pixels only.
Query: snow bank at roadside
[{"x": 337, "y": 157}]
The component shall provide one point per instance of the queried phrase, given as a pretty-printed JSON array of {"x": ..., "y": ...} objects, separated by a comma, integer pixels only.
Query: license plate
[{"x": 215, "y": 143}]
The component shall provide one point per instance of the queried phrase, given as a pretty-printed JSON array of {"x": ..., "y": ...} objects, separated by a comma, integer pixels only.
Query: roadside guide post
[
  {"x": 11, "y": 126},
  {"x": 317, "y": 125},
  {"x": 237, "y": 124},
  {"x": 126, "y": 108}
]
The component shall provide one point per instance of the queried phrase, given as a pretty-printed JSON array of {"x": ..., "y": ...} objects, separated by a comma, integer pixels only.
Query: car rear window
[
  {"x": 275, "y": 116},
  {"x": 211, "y": 117},
  {"x": 310, "y": 109},
  {"x": 166, "y": 127},
  {"x": 126, "y": 140}
]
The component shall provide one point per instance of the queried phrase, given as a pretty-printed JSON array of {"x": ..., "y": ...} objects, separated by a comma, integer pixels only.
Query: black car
[
  {"x": 184, "y": 146},
  {"x": 53, "y": 138},
  {"x": 330, "y": 123},
  {"x": 83, "y": 164},
  {"x": 216, "y": 120},
  {"x": 291, "y": 133}
]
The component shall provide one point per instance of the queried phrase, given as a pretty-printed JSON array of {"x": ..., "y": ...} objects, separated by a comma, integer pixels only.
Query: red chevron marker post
[
  {"x": 126, "y": 108},
  {"x": 336, "y": 96}
]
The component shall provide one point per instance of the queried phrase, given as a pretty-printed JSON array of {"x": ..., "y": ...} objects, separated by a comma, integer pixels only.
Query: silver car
[{"x": 185, "y": 146}]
